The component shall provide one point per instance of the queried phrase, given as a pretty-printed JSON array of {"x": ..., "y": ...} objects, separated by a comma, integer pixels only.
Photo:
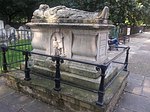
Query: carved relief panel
[{"x": 57, "y": 43}]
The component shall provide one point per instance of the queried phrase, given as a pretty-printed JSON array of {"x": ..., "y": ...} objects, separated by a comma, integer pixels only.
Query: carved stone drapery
[
  {"x": 57, "y": 41},
  {"x": 64, "y": 14}
]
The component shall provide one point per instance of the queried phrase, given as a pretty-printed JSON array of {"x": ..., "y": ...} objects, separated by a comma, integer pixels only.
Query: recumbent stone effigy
[{"x": 63, "y": 14}]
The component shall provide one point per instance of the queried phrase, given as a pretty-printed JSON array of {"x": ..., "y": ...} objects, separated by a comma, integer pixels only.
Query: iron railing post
[
  {"x": 27, "y": 69},
  {"x": 126, "y": 59},
  {"x": 57, "y": 73},
  {"x": 101, "y": 90},
  {"x": 4, "y": 49}
]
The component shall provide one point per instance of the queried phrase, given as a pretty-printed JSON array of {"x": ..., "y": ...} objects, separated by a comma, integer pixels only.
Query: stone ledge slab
[{"x": 70, "y": 98}]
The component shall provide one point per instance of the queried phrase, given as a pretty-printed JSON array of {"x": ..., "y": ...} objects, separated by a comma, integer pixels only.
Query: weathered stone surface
[
  {"x": 62, "y": 14},
  {"x": 123, "y": 110},
  {"x": 73, "y": 34},
  {"x": 1, "y": 24},
  {"x": 138, "y": 69},
  {"x": 133, "y": 88},
  {"x": 146, "y": 92},
  {"x": 37, "y": 106},
  {"x": 7, "y": 108},
  {"x": 75, "y": 41},
  {"x": 77, "y": 35},
  {"x": 135, "y": 82},
  {"x": 80, "y": 80},
  {"x": 135, "y": 102},
  {"x": 17, "y": 100},
  {"x": 5, "y": 91},
  {"x": 14, "y": 101},
  {"x": 114, "y": 91},
  {"x": 146, "y": 82},
  {"x": 137, "y": 92},
  {"x": 70, "y": 98},
  {"x": 2, "y": 80}
]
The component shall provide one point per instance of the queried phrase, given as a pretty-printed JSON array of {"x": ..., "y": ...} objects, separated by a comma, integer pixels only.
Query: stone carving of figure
[
  {"x": 104, "y": 14},
  {"x": 39, "y": 13},
  {"x": 64, "y": 14},
  {"x": 58, "y": 44},
  {"x": 1, "y": 24}
]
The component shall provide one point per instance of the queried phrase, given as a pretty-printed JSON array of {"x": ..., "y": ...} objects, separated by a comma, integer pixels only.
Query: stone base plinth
[
  {"x": 70, "y": 98},
  {"x": 73, "y": 78}
]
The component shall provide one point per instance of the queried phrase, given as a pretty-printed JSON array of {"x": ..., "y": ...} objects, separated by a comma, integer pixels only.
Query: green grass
[{"x": 14, "y": 56}]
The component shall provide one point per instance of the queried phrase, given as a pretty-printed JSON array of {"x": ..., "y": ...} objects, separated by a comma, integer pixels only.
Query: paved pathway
[
  {"x": 136, "y": 96},
  {"x": 12, "y": 101}
]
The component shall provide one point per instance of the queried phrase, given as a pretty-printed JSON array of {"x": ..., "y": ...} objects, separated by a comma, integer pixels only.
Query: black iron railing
[
  {"x": 17, "y": 39},
  {"x": 58, "y": 60}
]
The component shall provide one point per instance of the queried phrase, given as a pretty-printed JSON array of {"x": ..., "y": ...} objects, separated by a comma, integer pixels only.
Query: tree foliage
[{"x": 132, "y": 12}]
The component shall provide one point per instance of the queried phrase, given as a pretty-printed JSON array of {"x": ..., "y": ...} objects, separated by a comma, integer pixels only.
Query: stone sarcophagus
[{"x": 73, "y": 34}]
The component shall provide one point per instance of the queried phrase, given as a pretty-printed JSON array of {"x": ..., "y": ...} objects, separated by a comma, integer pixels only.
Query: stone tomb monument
[
  {"x": 79, "y": 35},
  {"x": 1, "y": 24},
  {"x": 73, "y": 34}
]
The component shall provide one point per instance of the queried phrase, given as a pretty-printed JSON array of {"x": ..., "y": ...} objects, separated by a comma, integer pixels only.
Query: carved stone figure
[
  {"x": 38, "y": 15},
  {"x": 58, "y": 44},
  {"x": 68, "y": 15},
  {"x": 1, "y": 24}
]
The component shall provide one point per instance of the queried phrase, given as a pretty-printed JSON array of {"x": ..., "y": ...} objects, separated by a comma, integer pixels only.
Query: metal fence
[
  {"x": 16, "y": 39},
  {"x": 16, "y": 48},
  {"x": 58, "y": 60}
]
